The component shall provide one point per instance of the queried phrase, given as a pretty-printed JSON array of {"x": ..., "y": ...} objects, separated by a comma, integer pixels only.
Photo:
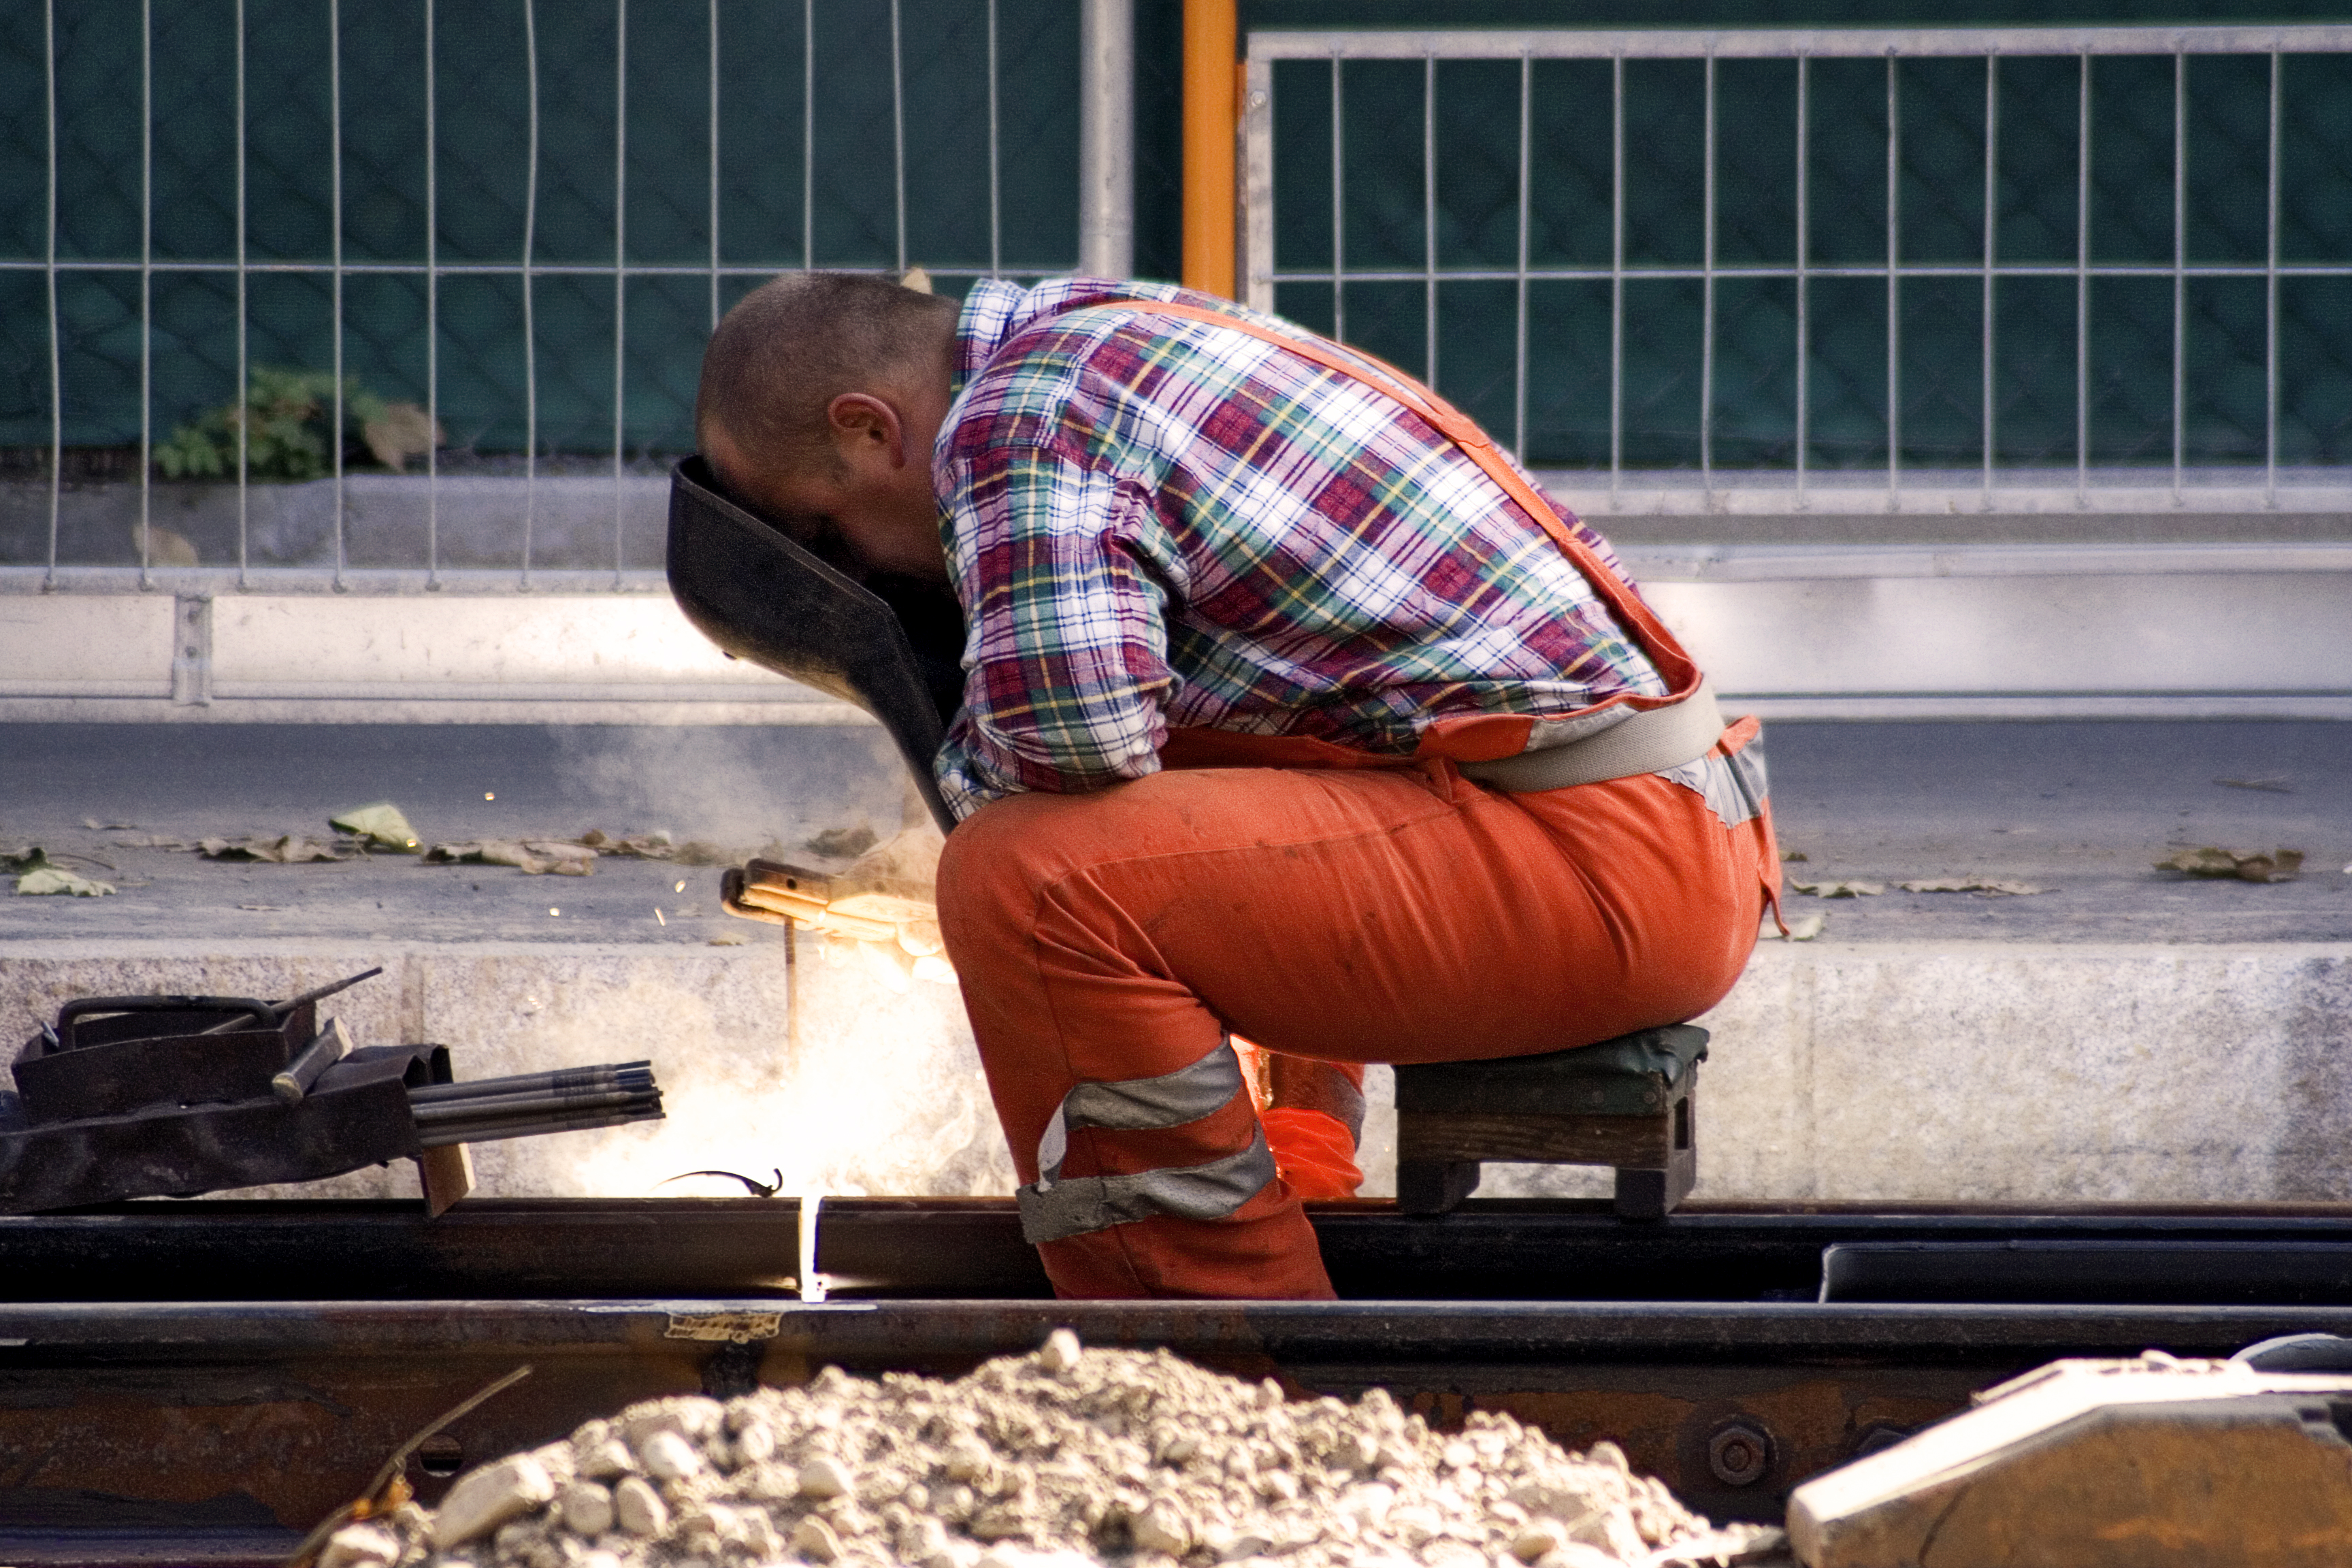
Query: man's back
[{"x": 1157, "y": 523}]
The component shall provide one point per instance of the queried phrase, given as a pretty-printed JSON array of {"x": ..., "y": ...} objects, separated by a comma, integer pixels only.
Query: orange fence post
[{"x": 1212, "y": 124}]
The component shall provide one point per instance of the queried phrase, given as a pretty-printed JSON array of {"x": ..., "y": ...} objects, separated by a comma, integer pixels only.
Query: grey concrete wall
[{"x": 1961, "y": 1072}]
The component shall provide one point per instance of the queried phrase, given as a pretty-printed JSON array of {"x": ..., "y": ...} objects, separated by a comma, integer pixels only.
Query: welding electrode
[
  {"x": 492, "y": 1132},
  {"x": 569, "y": 1100},
  {"x": 620, "y": 1074},
  {"x": 281, "y": 1009}
]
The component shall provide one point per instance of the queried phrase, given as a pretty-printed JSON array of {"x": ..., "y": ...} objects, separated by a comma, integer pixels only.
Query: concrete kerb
[{"x": 1957, "y": 1072}]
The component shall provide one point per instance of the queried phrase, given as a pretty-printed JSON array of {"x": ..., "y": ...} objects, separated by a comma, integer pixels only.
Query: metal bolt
[
  {"x": 1739, "y": 1453},
  {"x": 1878, "y": 1436}
]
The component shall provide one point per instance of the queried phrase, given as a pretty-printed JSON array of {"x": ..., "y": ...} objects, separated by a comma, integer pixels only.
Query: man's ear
[{"x": 865, "y": 426}]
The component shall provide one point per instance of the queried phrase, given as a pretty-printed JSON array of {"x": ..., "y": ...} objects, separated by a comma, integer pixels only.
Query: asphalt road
[{"x": 2083, "y": 809}]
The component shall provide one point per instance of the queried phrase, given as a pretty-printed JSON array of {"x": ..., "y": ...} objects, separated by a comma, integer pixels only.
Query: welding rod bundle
[{"x": 570, "y": 1099}]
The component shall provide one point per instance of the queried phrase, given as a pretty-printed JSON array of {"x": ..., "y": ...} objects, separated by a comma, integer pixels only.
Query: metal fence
[
  {"x": 1978, "y": 256},
  {"x": 524, "y": 217}
]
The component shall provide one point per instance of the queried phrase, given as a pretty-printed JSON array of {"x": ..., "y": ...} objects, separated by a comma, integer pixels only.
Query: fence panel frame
[
  {"x": 1106, "y": 171},
  {"x": 1803, "y": 45}
]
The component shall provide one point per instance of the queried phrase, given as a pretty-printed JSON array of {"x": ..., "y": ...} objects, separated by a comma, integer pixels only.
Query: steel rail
[
  {"x": 913, "y": 1248},
  {"x": 342, "y": 1384}
]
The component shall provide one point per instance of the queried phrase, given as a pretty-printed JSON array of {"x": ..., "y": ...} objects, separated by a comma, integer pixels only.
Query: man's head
[{"x": 822, "y": 394}]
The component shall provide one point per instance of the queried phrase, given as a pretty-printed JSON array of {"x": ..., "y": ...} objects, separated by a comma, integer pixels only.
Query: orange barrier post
[{"x": 1211, "y": 125}]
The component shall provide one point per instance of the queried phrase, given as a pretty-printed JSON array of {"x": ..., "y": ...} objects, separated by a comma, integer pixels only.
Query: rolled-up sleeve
[{"x": 1064, "y": 573}]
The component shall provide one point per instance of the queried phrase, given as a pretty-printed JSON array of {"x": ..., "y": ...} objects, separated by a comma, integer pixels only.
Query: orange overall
[{"x": 1333, "y": 907}]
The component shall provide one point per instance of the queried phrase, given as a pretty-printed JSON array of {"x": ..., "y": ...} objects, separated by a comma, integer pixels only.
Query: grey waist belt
[{"x": 1648, "y": 742}]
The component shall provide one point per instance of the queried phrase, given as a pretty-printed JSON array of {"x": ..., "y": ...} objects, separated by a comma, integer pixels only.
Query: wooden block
[
  {"x": 1652, "y": 1194},
  {"x": 448, "y": 1174},
  {"x": 1638, "y": 1140},
  {"x": 1434, "y": 1186}
]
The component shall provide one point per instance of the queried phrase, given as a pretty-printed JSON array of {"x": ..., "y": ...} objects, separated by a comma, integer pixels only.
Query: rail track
[{"x": 197, "y": 1382}]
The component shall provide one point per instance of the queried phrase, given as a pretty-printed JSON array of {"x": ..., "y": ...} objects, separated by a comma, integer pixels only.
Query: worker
[{"x": 1279, "y": 683}]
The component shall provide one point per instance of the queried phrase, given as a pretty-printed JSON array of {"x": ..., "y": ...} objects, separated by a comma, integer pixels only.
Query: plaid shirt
[{"x": 1153, "y": 523}]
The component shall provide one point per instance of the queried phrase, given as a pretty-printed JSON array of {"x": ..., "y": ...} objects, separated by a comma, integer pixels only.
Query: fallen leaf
[
  {"x": 400, "y": 432},
  {"x": 1841, "y": 889},
  {"x": 726, "y": 942},
  {"x": 842, "y": 842},
  {"x": 634, "y": 847},
  {"x": 1793, "y": 856},
  {"x": 1804, "y": 928},
  {"x": 379, "y": 827},
  {"x": 52, "y": 880},
  {"x": 27, "y": 858},
  {"x": 1971, "y": 884},
  {"x": 2270, "y": 786},
  {"x": 286, "y": 850},
  {"x": 2212, "y": 861},
  {"x": 95, "y": 826},
  {"x": 532, "y": 856},
  {"x": 161, "y": 547}
]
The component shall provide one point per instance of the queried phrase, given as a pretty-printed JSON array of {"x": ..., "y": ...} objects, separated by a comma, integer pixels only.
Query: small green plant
[{"x": 287, "y": 416}]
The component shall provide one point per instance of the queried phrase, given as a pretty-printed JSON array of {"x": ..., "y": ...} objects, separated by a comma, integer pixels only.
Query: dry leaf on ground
[
  {"x": 532, "y": 857},
  {"x": 286, "y": 850},
  {"x": 1845, "y": 890},
  {"x": 377, "y": 826},
  {"x": 160, "y": 546},
  {"x": 54, "y": 879},
  {"x": 400, "y": 432},
  {"x": 1794, "y": 856},
  {"x": 2213, "y": 862},
  {"x": 632, "y": 846},
  {"x": 842, "y": 842},
  {"x": 1804, "y": 928},
  {"x": 1990, "y": 886}
]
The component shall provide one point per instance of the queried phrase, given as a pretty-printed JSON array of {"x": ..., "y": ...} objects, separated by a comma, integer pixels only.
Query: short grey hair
[{"x": 798, "y": 342}]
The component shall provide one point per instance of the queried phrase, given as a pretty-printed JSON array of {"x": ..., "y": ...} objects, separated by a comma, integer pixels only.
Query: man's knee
[{"x": 996, "y": 865}]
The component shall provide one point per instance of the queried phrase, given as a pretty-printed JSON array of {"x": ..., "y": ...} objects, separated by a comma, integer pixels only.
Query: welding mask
[{"x": 893, "y": 645}]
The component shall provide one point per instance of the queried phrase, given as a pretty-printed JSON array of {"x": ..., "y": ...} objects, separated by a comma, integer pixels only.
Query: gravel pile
[{"x": 1062, "y": 1459}]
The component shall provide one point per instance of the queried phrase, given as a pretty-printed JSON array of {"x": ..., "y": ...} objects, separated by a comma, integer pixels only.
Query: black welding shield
[{"x": 892, "y": 645}]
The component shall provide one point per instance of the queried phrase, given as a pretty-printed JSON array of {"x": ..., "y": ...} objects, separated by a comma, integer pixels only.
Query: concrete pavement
[{"x": 2127, "y": 1034}]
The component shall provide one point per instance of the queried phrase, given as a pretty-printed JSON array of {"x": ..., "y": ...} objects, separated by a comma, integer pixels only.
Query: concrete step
[{"x": 2122, "y": 1036}]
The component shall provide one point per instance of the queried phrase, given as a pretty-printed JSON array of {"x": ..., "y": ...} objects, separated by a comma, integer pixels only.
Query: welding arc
[
  {"x": 441, "y": 1136},
  {"x": 617, "y": 1075}
]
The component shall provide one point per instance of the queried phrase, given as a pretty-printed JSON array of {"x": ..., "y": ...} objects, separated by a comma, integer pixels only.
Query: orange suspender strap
[{"x": 1679, "y": 670}]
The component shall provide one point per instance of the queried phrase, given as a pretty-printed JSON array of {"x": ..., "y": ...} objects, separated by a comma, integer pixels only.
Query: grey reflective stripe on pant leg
[
  {"x": 1084, "y": 1203},
  {"x": 1053, "y": 1208}
]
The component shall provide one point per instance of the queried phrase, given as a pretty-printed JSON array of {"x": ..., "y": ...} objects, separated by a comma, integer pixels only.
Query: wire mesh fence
[
  {"x": 521, "y": 219},
  {"x": 2004, "y": 256}
]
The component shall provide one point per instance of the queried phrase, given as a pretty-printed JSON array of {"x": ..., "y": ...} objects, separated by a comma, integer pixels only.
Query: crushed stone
[{"x": 1066, "y": 1457}]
